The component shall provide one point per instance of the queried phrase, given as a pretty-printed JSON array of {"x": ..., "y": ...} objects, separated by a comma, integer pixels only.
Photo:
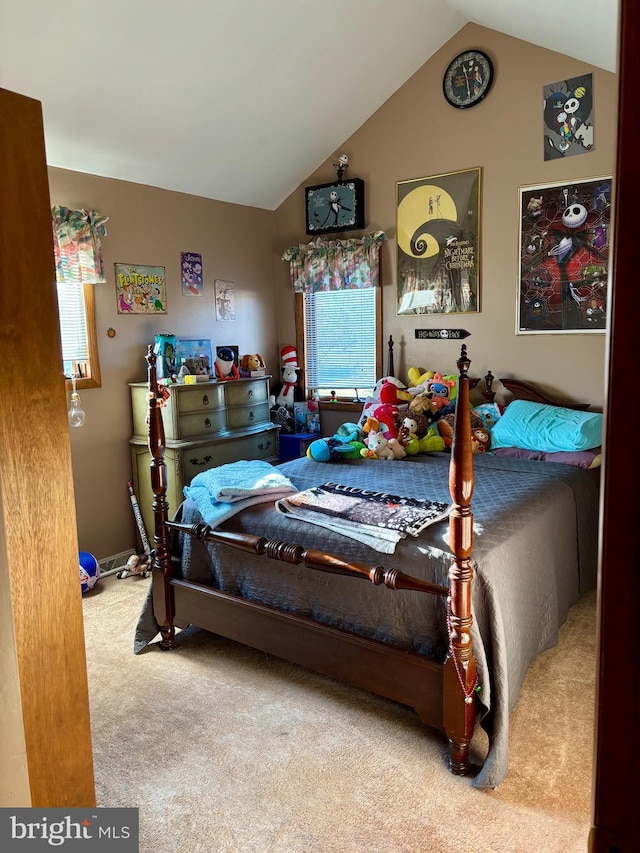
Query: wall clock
[
  {"x": 467, "y": 79},
  {"x": 338, "y": 206}
]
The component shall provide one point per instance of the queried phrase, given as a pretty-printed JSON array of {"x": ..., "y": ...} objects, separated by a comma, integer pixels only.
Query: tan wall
[
  {"x": 416, "y": 134},
  {"x": 152, "y": 226}
]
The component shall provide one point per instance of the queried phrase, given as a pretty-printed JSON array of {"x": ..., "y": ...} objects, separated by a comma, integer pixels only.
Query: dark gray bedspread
[{"x": 534, "y": 553}]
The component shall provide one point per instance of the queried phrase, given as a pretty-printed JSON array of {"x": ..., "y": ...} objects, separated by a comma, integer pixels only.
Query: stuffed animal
[
  {"x": 440, "y": 389},
  {"x": 346, "y": 443},
  {"x": 288, "y": 392},
  {"x": 418, "y": 379},
  {"x": 480, "y": 435},
  {"x": 423, "y": 405},
  {"x": 431, "y": 442},
  {"x": 137, "y": 564},
  {"x": 401, "y": 390},
  {"x": 379, "y": 447},
  {"x": 411, "y": 428},
  {"x": 386, "y": 411},
  {"x": 250, "y": 363}
]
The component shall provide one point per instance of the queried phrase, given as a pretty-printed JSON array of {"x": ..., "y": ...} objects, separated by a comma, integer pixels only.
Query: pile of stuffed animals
[{"x": 399, "y": 421}]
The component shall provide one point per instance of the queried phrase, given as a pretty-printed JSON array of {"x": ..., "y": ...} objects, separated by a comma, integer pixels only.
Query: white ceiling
[{"x": 240, "y": 100}]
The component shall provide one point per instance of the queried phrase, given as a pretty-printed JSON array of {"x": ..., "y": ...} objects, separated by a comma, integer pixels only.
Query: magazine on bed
[{"x": 373, "y": 509}]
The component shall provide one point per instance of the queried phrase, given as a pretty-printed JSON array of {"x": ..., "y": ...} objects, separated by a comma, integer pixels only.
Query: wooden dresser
[{"x": 207, "y": 424}]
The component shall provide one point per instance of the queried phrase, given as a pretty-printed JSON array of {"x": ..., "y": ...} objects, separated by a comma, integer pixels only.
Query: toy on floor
[
  {"x": 137, "y": 564},
  {"x": 89, "y": 570}
]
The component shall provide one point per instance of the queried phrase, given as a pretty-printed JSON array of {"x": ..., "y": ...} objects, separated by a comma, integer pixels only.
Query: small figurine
[{"x": 225, "y": 364}]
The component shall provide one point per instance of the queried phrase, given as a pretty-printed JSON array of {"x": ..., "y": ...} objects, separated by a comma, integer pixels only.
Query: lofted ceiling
[{"x": 240, "y": 100}]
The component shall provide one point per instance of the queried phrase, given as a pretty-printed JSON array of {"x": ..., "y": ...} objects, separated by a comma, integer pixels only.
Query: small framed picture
[
  {"x": 195, "y": 350},
  {"x": 338, "y": 206}
]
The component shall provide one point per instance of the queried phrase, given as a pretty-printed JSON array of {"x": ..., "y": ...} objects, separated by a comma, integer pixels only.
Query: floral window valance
[
  {"x": 77, "y": 245},
  {"x": 335, "y": 264}
]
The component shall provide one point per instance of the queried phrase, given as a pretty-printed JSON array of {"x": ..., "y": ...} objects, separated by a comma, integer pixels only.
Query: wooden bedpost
[
  {"x": 162, "y": 567},
  {"x": 460, "y": 679}
]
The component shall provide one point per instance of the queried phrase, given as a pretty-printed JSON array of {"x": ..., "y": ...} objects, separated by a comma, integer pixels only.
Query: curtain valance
[
  {"x": 77, "y": 245},
  {"x": 335, "y": 264}
]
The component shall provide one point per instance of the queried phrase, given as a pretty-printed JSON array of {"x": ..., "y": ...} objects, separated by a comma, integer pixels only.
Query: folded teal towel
[{"x": 221, "y": 492}]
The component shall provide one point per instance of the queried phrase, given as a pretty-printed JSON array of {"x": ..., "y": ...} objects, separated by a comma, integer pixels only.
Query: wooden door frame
[{"x": 616, "y": 816}]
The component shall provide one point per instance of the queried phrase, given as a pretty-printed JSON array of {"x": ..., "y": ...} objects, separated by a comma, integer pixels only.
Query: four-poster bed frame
[{"x": 443, "y": 694}]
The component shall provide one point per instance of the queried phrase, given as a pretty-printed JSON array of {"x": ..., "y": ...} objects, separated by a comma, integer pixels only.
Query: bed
[{"x": 443, "y": 629}]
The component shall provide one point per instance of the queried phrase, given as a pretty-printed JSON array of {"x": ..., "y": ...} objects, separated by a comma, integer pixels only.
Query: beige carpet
[{"x": 226, "y": 750}]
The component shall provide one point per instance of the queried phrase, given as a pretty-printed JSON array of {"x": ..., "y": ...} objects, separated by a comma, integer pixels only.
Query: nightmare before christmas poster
[
  {"x": 564, "y": 257},
  {"x": 568, "y": 117}
]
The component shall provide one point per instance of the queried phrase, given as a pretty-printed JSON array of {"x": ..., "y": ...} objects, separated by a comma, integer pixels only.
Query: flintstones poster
[
  {"x": 438, "y": 244},
  {"x": 140, "y": 289}
]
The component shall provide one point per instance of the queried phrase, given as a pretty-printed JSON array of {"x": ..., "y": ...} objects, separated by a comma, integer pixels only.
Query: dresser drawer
[
  {"x": 249, "y": 391},
  {"x": 201, "y": 423},
  {"x": 247, "y": 416},
  {"x": 201, "y": 457},
  {"x": 194, "y": 399}
]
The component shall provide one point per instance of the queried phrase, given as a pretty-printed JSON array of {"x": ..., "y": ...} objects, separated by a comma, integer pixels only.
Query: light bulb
[{"x": 76, "y": 413}]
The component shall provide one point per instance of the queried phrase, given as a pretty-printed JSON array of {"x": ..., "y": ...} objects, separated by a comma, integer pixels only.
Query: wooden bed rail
[{"x": 287, "y": 552}]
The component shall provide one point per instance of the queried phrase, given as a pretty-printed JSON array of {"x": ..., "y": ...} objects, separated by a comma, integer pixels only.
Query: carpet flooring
[{"x": 227, "y": 750}]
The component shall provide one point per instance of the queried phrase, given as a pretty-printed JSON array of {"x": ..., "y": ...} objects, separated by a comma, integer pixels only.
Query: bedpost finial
[{"x": 463, "y": 362}]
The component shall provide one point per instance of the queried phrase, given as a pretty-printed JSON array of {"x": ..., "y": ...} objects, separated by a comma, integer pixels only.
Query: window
[
  {"x": 339, "y": 341},
  {"x": 338, "y": 313},
  {"x": 76, "y": 307},
  {"x": 79, "y": 267}
]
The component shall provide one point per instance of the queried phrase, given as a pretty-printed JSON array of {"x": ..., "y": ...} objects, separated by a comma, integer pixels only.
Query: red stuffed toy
[{"x": 386, "y": 412}]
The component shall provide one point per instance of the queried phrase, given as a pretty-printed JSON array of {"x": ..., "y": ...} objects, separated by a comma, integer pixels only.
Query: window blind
[
  {"x": 73, "y": 323},
  {"x": 340, "y": 339}
]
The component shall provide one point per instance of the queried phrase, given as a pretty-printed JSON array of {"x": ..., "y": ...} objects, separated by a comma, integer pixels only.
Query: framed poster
[
  {"x": 225, "y": 296},
  {"x": 438, "y": 236},
  {"x": 568, "y": 117},
  {"x": 337, "y": 206},
  {"x": 564, "y": 257},
  {"x": 191, "y": 273},
  {"x": 140, "y": 289}
]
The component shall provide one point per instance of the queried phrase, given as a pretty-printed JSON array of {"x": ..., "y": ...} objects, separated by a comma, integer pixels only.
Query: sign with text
[{"x": 442, "y": 334}]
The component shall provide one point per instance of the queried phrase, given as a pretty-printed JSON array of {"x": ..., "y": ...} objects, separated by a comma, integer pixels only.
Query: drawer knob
[
  {"x": 207, "y": 422},
  {"x": 250, "y": 392},
  {"x": 264, "y": 445},
  {"x": 252, "y": 415},
  {"x": 205, "y": 400}
]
